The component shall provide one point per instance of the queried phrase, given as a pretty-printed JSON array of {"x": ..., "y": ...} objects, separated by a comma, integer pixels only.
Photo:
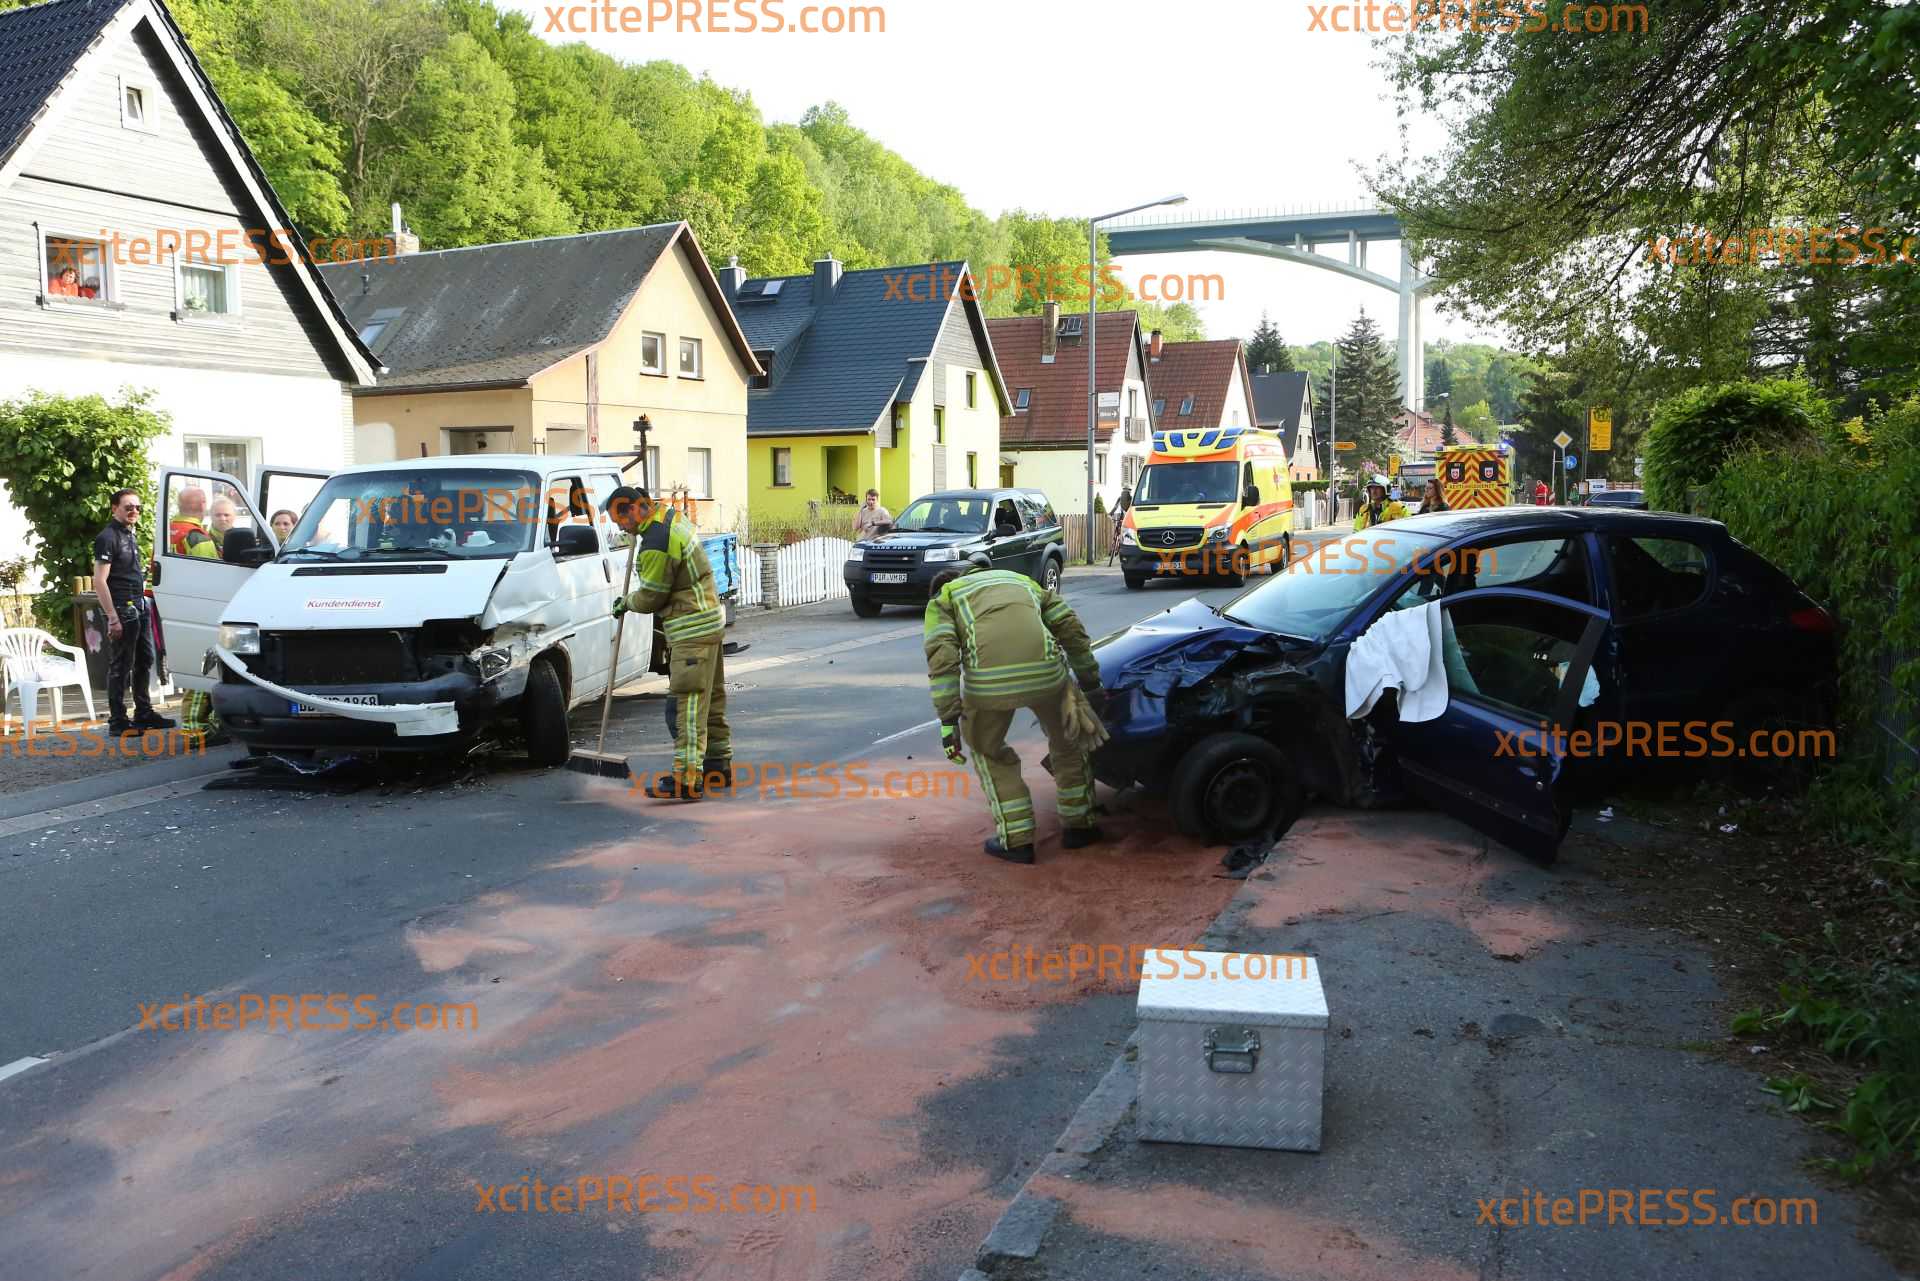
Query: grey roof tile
[{"x": 38, "y": 47}]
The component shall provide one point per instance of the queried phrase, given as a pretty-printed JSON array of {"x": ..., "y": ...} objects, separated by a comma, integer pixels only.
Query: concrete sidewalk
[{"x": 1497, "y": 1029}]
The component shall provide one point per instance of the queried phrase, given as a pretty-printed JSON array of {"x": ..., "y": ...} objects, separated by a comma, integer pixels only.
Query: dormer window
[{"x": 765, "y": 377}]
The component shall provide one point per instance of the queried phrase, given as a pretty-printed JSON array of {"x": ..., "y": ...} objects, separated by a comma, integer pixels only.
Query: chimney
[
  {"x": 404, "y": 241},
  {"x": 1153, "y": 346},
  {"x": 826, "y": 277},
  {"x": 732, "y": 276},
  {"x": 1049, "y": 331}
]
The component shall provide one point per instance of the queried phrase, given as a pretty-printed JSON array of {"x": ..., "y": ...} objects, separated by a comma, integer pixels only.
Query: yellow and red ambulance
[
  {"x": 1212, "y": 501},
  {"x": 1475, "y": 476}
]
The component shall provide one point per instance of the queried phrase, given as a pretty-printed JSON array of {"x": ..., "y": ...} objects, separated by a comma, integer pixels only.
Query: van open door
[
  {"x": 209, "y": 538},
  {"x": 285, "y": 489}
]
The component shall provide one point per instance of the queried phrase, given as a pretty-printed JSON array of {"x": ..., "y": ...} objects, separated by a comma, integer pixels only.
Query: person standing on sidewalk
[
  {"x": 120, "y": 585},
  {"x": 871, "y": 516},
  {"x": 676, "y": 584},
  {"x": 996, "y": 642}
]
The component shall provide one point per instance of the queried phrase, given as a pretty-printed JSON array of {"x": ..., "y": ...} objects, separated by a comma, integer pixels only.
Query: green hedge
[{"x": 1696, "y": 431}]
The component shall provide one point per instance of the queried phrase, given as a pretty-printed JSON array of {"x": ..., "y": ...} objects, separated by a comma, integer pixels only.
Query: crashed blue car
[{"x": 1555, "y": 619}]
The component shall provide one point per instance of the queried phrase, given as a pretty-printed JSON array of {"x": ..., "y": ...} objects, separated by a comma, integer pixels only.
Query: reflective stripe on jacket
[
  {"x": 998, "y": 639},
  {"x": 675, "y": 582}
]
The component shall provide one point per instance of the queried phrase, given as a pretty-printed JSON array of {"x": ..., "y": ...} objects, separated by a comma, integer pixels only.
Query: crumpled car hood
[{"x": 1141, "y": 666}]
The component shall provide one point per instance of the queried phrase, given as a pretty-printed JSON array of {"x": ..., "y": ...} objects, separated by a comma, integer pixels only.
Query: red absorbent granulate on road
[
  {"x": 1291, "y": 1243},
  {"x": 1419, "y": 863},
  {"x": 802, "y": 996}
]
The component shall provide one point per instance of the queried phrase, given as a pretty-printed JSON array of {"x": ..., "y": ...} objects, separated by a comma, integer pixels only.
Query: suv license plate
[{"x": 890, "y": 578}]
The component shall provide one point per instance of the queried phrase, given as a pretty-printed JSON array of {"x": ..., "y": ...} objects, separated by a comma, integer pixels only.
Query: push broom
[{"x": 599, "y": 762}]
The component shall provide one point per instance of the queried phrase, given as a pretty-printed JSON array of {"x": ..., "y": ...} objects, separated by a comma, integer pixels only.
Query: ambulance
[
  {"x": 1475, "y": 476},
  {"x": 1213, "y": 502}
]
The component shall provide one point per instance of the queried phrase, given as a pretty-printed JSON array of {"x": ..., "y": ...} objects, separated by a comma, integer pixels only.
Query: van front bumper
[{"x": 396, "y": 716}]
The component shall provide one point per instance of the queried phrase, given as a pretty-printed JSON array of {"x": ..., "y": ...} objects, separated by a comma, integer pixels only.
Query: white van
[{"x": 411, "y": 604}]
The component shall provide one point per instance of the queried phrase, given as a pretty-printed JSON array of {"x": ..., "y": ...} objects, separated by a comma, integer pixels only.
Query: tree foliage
[
  {"x": 62, "y": 457},
  {"x": 1369, "y": 393},
  {"x": 1695, "y": 432},
  {"x": 1266, "y": 350}
]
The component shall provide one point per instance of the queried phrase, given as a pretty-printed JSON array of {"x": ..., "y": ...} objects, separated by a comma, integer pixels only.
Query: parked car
[
  {"x": 1015, "y": 528},
  {"x": 413, "y": 605},
  {"x": 1631, "y": 499},
  {"x": 1554, "y": 616}
]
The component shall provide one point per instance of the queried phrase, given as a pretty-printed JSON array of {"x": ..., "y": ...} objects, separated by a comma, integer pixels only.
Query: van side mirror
[
  {"x": 1250, "y": 497},
  {"x": 576, "y": 540},
  {"x": 243, "y": 546}
]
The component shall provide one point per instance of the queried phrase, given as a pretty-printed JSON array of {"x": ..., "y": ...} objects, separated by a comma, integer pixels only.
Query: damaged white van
[{"x": 400, "y": 606}]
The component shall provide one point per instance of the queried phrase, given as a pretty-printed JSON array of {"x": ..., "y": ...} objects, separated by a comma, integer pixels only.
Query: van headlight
[
  {"x": 1128, "y": 538},
  {"x": 493, "y": 662},
  {"x": 240, "y": 638},
  {"x": 1218, "y": 534}
]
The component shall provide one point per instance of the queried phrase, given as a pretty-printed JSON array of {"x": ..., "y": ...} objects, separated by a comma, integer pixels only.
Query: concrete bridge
[{"x": 1300, "y": 237}]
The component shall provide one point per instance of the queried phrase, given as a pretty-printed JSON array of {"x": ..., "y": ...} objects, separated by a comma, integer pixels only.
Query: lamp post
[{"x": 1093, "y": 381}]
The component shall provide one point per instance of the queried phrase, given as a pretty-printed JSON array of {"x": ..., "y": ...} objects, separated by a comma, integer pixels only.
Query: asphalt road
[{"x": 769, "y": 991}]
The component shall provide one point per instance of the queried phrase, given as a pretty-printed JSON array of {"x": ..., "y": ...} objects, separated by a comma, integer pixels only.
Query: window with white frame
[
  {"x": 75, "y": 269},
  {"x": 212, "y": 453},
  {"x": 690, "y": 358},
  {"x": 203, "y": 287},
  {"x": 139, "y": 105},
  {"x": 653, "y": 469},
  {"x": 700, "y": 473},
  {"x": 653, "y": 354}
]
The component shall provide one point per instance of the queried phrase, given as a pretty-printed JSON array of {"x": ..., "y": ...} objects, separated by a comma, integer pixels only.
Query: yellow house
[
  {"x": 558, "y": 346},
  {"x": 876, "y": 379}
]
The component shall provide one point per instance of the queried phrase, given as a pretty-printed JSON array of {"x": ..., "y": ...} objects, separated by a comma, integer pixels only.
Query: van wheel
[
  {"x": 1050, "y": 575},
  {"x": 1134, "y": 581},
  {"x": 1286, "y": 554},
  {"x": 543, "y": 716},
  {"x": 1232, "y": 787},
  {"x": 865, "y": 606},
  {"x": 1231, "y": 576}
]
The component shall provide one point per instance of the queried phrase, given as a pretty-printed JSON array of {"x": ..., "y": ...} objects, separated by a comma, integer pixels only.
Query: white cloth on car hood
[{"x": 1402, "y": 650}]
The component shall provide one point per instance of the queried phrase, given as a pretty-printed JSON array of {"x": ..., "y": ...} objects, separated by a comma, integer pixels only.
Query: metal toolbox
[{"x": 1232, "y": 1049}]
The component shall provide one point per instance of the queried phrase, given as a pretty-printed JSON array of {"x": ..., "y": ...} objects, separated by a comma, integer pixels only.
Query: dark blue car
[{"x": 1555, "y": 619}]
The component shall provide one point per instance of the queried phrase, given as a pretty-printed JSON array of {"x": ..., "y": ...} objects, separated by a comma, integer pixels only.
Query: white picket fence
[{"x": 804, "y": 572}]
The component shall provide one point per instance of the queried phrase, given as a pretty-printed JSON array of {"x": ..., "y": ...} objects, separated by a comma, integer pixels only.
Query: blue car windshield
[{"x": 1317, "y": 592}]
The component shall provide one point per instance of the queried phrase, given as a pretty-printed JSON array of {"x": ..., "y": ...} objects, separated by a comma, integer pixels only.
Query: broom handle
[{"x": 619, "y": 633}]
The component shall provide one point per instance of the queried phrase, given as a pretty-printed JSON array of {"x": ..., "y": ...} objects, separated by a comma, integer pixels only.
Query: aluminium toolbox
[{"x": 1230, "y": 1059}]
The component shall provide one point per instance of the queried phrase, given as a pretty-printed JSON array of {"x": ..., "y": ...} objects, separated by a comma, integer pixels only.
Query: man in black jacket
[{"x": 120, "y": 584}]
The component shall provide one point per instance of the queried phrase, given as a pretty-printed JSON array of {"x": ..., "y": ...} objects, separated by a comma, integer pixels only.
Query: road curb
[{"x": 1016, "y": 1238}]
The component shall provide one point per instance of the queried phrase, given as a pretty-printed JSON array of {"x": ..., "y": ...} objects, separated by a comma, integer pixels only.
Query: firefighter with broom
[
  {"x": 675, "y": 584},
  {"x": 996, "y": 642}
]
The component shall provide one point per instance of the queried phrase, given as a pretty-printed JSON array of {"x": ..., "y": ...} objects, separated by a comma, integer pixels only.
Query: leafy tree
[
  {"x": 1266, "y": 350},
  {"x": 1447, "y": 435},
  {"x": 1478, "y": 422},
  {"x": 1439, "y": 377},
  {"x": 1698, "y": 430},
  {"x": 1369, "y": 389},
  {"x": 61, "y": 458},
  {"x": 1178, "y": 323}
]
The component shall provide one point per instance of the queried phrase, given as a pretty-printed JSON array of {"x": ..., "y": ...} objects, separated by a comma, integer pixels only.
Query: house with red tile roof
[
  {"x": 1200, "y": 384},
  {"x": 1043, "y": 441}
]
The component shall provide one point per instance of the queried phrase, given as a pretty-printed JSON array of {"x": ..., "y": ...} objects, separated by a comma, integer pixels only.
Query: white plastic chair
[{"x": 26, "y": 666}]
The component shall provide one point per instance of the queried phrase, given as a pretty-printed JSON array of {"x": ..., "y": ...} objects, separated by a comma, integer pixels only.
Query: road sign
[
  {"x": 1600, "y": 428},
  {"x": 1344, "y": 445},
  {"x": 1596, "y": 486},
  {"x": 1562, "y": 440},
  {"x": 1638, "y": 466},
  {"x": 1393, "y": 465},
  {"x": 1573, "y": 461}
]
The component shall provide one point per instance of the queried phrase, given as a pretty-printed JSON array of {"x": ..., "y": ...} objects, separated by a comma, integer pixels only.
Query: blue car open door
[{"x": 1520, "y": 678}]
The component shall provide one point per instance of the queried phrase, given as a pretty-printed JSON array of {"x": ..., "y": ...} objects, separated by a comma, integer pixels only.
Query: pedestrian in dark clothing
[{"x": 120, "y": 584}]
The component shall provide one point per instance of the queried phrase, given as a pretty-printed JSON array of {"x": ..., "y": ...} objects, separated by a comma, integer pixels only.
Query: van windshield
[
  {"x": 1187, "y": 483},
  {"x": 478, "y": 514}
]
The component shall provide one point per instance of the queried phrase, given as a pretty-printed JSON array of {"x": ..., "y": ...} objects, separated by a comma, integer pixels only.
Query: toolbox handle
[{"x": 1234, "y": 1051}]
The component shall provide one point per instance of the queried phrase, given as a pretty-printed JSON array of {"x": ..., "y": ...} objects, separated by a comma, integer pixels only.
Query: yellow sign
[
  {"x": 1393, "y": 465},
  {"x": 1338, "y": 444},
  {"x": 1599, "y": 429}
]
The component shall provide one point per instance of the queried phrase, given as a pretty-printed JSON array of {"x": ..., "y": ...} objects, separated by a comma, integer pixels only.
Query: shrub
[
  {"x": 62, "y": 457},
  {"x": 1696, "y": 431}
]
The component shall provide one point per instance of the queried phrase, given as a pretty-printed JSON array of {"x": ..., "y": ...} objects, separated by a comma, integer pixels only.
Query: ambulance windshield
[{"x": 1187, "y": 483}]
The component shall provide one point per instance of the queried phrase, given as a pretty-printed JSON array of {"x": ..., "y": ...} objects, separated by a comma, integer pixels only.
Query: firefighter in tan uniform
[
  {"x": 996, "y": 642},
  {"x": 675, "y": 583}
]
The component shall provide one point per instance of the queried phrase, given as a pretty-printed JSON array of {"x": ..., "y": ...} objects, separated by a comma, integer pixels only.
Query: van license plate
[
  {"x": 890, "y": 578},
  {"x": 358, "y": 700}
]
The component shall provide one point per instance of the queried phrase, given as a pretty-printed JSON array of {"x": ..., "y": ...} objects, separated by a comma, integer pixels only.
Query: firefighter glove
[{"x": 950, "y": 741}]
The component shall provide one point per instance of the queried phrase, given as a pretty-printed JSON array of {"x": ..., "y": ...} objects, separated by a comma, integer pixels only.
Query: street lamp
[{"x": 1093, "y": 293}]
